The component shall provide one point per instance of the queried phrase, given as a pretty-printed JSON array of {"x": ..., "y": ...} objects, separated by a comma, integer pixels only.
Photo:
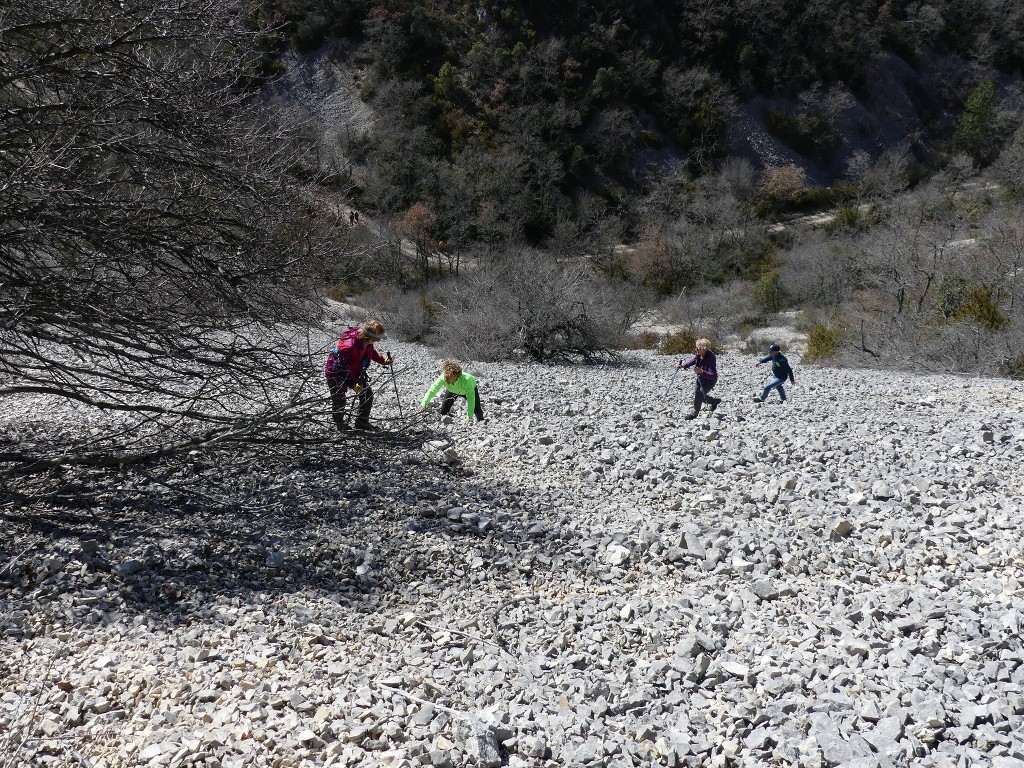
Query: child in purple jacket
[{"x": 706, "y": 366}]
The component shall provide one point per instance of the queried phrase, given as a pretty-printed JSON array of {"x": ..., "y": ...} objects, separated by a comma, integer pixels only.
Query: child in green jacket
[{"x": 456, "y": 384}]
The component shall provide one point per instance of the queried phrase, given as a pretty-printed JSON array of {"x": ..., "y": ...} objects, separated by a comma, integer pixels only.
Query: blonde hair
[
  {"x": 372, "y": 329},
  {"x": 703, "y": 344},
  {"x": 451, "y": 369}
]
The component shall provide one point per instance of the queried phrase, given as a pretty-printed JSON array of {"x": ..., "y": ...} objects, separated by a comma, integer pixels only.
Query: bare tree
[
  {"x": 915, "y": 247},
  {"x": 418, "y": 226},
  {"x": 824, "y": 271},
  {"x": 153, "y": 252},
  {"x": 1001, "y": 261},
  {"x": 1008, "y": 168},
  {"x": 886, "y": 176},
  {"x": 593, "y": 230}
]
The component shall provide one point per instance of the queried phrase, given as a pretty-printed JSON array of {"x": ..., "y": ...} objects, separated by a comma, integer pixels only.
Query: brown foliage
[{"x": 785, "y": 182}]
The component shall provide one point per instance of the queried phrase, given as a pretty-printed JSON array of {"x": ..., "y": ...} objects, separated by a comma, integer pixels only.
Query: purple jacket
[{"x": 707, "y": 368}]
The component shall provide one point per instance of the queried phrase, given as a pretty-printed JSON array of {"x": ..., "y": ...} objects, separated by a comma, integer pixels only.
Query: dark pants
[
  {"x": 701, "y": 396},
  {"x": 448, "y": 399},
  {"x": 337, "y": 389}
]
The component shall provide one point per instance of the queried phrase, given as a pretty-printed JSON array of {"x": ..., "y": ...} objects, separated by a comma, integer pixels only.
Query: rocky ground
[{"x": 586, "y": 579}]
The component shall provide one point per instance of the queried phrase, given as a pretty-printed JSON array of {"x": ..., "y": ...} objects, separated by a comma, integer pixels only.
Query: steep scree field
[{"x": 586, "y": 579}]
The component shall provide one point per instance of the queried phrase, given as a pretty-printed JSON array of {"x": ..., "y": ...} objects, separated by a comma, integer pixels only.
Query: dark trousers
[
  {"x": 364, "y": 402},
  {"x": 448, "y": 399},
  {"x": 701, "y": 396}
]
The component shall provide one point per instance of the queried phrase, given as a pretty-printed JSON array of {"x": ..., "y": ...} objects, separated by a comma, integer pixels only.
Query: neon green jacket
[{"x": 465, "y": 385}]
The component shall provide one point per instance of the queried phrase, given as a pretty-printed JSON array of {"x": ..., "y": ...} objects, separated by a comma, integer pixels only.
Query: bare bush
[
  {"x": 965, "y": 347},
  {"x": 667, "y": 264},
  {"x": 784, "y": 182},
  {"x": 409, "y": 315},
  {"x": 933, "y": 284},
  {"x": 1001, "y": 256},
  {"x": 153, "y": 250},
  {"x": 1008, "y": 169},
  {"x": 593, "y": 231},
  {"x": 887, "y": 176},
  {"x": 714, "y": 313},
  {"x": 823, "y": 271},
  {"x": 678, "y": 343},
  {"x": 527, "y": 304}
]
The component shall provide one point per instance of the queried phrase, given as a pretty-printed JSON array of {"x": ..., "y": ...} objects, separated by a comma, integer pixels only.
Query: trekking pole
[
  {"x": 398, "y": 399},
  {"x": 672, "y": 382}
]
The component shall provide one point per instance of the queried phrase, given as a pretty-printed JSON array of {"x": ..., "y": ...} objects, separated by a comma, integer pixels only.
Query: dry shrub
[
  {"x": 641, "y": 340},
  {"x": 526, "y": 304},
  {"x": 748, "y": 324},
  {"x": 666, "y": 267},
  {"x": 756, "y": 344},
  {"x": 715, "y": 312},
  {"x": 678, "y": 343},
  {"x": 784, "y": 183},
  {"x": 1012, "y": 366},
  {"x": 408, "y": 315},
  {"x": 823, "y": 341}
]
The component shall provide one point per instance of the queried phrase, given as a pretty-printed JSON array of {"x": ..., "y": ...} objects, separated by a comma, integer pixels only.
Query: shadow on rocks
[{"x": 177, "y": 538}]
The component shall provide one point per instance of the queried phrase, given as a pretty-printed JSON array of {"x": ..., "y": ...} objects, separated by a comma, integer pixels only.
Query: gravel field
[{"x": 586, "y": 579}]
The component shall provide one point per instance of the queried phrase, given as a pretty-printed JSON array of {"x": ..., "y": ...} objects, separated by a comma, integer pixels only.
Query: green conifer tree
[{"x": 976, "y": 130}]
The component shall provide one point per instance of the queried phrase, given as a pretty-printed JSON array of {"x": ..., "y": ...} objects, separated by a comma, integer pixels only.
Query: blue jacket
[{"x": 780, "y": 367}]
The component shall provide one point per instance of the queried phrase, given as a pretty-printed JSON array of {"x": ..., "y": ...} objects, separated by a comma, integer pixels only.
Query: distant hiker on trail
[
  {"x": 456, "y": 384},
  {"x": 780, "y": 372},
  {"x": 707, "y": 376},
  {"x": 346, "y": 369}
]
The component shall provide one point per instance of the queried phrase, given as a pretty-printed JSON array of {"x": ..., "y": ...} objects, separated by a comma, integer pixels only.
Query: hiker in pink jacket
[{"x": 346, "y": 369}]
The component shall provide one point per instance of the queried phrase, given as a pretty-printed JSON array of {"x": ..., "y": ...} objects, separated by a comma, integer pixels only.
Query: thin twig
[
  {"x": 466, "y": 634},
  {"x": 31, "y": 715},
  {"x": 12, "y": 563},
  {"x": 454, "y": 712}
]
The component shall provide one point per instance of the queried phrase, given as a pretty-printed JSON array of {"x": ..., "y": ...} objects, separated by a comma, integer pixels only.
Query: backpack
[
  {"x": 339, "y": 360},
  {"x": 335, "y": 367}
]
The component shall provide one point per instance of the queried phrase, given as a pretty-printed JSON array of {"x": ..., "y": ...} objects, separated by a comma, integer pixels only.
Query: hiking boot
[
  {"x": 365, "y": 426},
  {"x": 714, "y": 403},
  {"x": 691, "y": 416},
  {"x": 757, "y": 399}
]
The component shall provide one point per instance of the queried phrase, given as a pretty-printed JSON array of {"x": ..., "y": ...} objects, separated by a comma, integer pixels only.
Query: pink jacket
[{"x": 345, "y": 362}]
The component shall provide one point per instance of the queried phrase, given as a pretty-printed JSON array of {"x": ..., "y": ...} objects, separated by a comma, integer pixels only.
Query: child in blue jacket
[{"x": 780, "y": 372}]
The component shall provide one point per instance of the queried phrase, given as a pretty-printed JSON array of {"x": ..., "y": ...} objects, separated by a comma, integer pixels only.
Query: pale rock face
[{"x": 834, "y": 581}]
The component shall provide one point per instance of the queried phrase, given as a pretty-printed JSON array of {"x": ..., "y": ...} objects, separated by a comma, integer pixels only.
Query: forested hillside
[
  {"x": 665, "y": 146},
  {"x": 506, "y": 119}
]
